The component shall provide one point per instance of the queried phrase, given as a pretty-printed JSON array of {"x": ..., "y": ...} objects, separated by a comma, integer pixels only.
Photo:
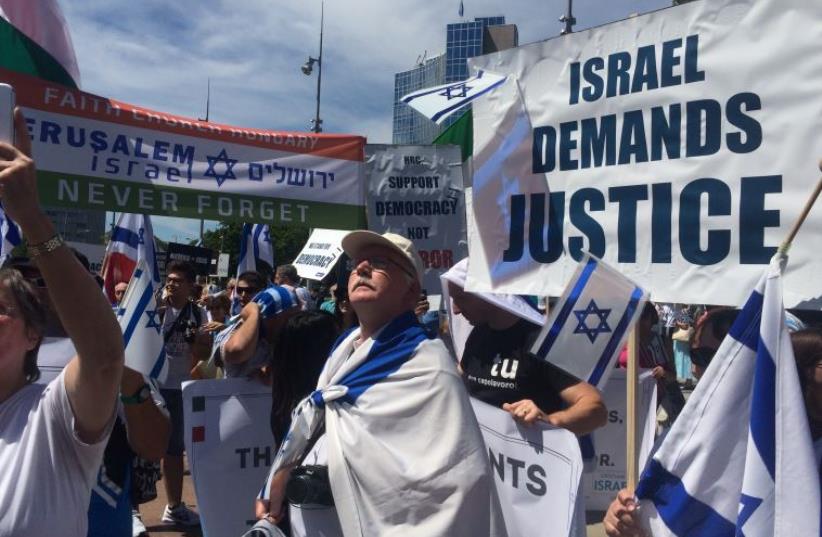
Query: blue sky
[{"x": 160, "y": 54}]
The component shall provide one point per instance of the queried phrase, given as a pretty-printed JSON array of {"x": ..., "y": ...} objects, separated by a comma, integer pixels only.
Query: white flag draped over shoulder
[
  {"x": 590, "y": 324},
  {"x": 141, "y": 325},
  {"x": 9, "y": 235},
  {"x": 439, "y": 102},
  {"x": 739, "y": 459}
]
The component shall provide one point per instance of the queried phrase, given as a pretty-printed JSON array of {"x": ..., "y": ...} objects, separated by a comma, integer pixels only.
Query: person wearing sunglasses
[{"x": 245, "y": 346}]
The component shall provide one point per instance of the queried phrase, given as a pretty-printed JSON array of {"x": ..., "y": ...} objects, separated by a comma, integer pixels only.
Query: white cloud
[{"x": 159, "y": 54}]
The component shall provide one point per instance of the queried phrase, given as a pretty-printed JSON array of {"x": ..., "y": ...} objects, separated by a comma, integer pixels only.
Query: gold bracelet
[{"x": 36, "y": 250}]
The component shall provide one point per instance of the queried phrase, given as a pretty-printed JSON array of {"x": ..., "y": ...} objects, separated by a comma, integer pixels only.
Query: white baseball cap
[{"x": 358, "y": 240}]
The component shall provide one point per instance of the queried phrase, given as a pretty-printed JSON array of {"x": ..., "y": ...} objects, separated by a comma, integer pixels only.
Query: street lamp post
[
  {"x": 308, "y": 67},
  {"x": 568, "y": 19}
]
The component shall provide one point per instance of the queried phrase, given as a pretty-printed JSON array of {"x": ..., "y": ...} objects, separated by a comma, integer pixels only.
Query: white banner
[
  {"x": 608, "y": 474},
  {"x": 666, "y": 156},
  {"x": 537, "y": 472},
  {"x": 320, "y": 253},
  {"x": 230, "y": 449},
  {"x": 417, "y": 192},
  {"x": 97, "y": 153}
]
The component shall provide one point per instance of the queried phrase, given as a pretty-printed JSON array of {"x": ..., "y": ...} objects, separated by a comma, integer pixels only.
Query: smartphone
[{"x": 6, "y": 114}]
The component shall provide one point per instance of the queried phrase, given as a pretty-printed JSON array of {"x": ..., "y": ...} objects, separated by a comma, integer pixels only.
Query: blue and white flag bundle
[
  {"x": 439, "y": 102},
  {"x": 255, "y": 245},
  {"x": 141, "y": 325},
  {"x": 132, "y": 240},
  {"x": 739, "y": 459},
  {"x": 9, "y": 235},
  {"x": 590, "y": 324}
]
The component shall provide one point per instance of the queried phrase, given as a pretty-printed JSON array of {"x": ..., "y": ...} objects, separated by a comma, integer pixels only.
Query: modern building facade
[
  {"x": 79, "y": 225},
  {"x": 464, "y": 40}
]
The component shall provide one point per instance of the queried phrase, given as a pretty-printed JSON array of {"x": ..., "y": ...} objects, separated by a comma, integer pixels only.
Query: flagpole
[
  {"x": 630, "y": 450},
  {"x": 786, "y": 244}
]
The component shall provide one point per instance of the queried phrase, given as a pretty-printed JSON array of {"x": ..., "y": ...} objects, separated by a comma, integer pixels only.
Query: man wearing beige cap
[{"x": 405, "y": 454}]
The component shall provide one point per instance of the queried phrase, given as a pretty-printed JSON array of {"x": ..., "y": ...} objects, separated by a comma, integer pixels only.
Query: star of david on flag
[
  {"x": 602, "y": 322},
  {"x": 141, "y": 325},
  {"x": 590, "y": 323},
  {"x": 439, "y": 102},
  {"x": 739, "y": 460}
]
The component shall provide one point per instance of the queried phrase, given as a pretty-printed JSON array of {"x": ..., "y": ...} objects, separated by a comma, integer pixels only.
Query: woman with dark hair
[
  {"x": 53, "y": 435},
  {"x": 807, "y": 348},
  {"x": 296, "y": 363},
  {"x": 343, "y": 312}
]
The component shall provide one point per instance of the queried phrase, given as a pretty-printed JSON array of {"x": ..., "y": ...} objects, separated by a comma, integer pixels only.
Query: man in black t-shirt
[{"x": 498, "y": 369}]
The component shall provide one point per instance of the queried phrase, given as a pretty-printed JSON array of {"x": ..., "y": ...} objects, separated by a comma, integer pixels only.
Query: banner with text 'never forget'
[{"x": 97, "y": 153}]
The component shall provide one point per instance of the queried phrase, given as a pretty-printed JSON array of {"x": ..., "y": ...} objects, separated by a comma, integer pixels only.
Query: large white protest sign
[
  {"x": 230, "y": 449},
  {"x": 97, "y": 153},
  {"x": 417, "y": 192},
  {"x": 537, "y": 472},
  {"x": 665, "y": 155},
  {"x": 320, "y": 253},
  {"x": 608, "y": 475}
]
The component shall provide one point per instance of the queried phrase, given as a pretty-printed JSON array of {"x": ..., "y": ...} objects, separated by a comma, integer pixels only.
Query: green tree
[{"x": 288, "y": 241}]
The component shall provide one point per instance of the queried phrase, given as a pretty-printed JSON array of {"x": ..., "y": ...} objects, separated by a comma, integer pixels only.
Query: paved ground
[{"x": 154, "y": 510}]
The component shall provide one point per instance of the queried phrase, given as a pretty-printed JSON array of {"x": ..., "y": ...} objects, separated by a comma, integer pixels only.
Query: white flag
[
  {"x": 739, "y": 459},
  {"x": 439, "y": 102},
  {"x": 589, "y": 325},
  {"x": 142, "y": 327},
  {"x": 9, "y": 235},
  {"x": 503, "y": 142}
]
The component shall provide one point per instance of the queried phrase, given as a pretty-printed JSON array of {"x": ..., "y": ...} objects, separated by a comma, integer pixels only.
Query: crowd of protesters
[{"x": 99, "y": 434}]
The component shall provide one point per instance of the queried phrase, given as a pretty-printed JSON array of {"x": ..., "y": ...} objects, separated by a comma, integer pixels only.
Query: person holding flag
[
  {"x": 498, "y": 368},
  {"x": 741, "y": 458}
]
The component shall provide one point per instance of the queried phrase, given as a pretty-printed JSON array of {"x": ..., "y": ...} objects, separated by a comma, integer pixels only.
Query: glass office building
[{"x": 463, "y": 40}]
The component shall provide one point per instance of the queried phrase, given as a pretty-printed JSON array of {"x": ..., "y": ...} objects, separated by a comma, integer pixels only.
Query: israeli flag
[
  {"x": 255, "y": 246},
  {"x": 439, "y": 102},
  {"x": 132, "y": 240},
  {"x": 9, "y": 235},
  {"x": 739, "y": 459},
  {"x": 590, "y": 324},
  {"x": 141, "y": 325}
]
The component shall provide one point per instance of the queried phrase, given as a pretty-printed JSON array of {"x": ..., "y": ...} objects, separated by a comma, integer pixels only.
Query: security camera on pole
[{"x": 308, "y": 67}]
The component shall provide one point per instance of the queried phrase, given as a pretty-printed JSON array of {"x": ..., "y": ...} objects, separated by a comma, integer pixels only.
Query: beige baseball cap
[{"x": 356, "y": 241}]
